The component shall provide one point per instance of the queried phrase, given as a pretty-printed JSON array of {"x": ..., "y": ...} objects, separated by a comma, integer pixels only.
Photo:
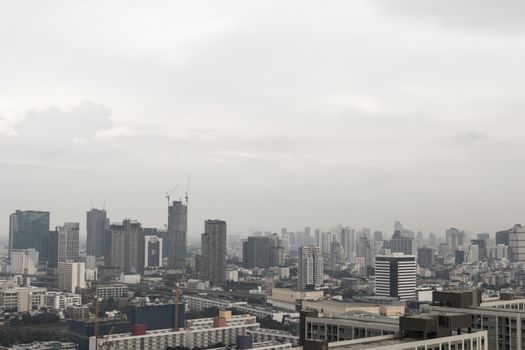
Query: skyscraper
[
  {"x": 348, "y": 241},
  {"x": 256, "y": 252},
  {"x": 68, "y": 242},
  {"x": 517, "y": 243},
  {"x": 455, "y": 239},
  {"x": 214, "y": 251},
  {"x": 309, "y": 267},
  {"x": 177, "y": 230},
  {"x": 97, "y": 225},
  {"x": 395, "y": 276},
  {"x": 425, "y": 257},
  {"x": 71, "y": 275},
  {"x": 29, "y": 229},
  {"x": 126, "y": 241}
]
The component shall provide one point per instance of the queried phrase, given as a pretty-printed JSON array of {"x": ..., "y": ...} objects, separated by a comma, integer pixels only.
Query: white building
[
  {"x": 129, "y": 278},
  {"x": 71, "y": 275},
  {"x": 107, "y": 291},
  {"x": 309, "y": 267},
  {"x": 68, "y": 244},
  {"x": 21, "y": 299},
  {"x": 395, "y": 276},
  {"x": 24, "y": 261},
  {"x": 201, "y": 333},
  {"x": 61, "y": 300}
]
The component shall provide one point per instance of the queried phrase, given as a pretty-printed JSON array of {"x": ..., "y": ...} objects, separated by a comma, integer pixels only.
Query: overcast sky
[{"x": 286, "y": 113}]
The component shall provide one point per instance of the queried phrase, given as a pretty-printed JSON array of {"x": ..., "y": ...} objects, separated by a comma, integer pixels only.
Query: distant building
[
  {"x": 256, "y": 252},
  {"x": 455, "y": 239},
  {"x": 214, "y": 251},
  {"x": 126, "y": 247},
  {"x": 177, "y": 231},
  {"x": 153, "y": 251},
  {"x": 62, "y": 301},
  {"x": 44, "y": 345},
  {"x": 24, "y": 261},
  {"x": 395, "y": 276},
  {"x": 97, "y": 225},
  {"x": 21, "y": 299},
  {"x": 108, "y": 291},
  {"x": 517, "y": 243},
  {"x": 348, "y": 241},
  {"x": 156, "y": 316},
  {"x": 309, "y": 267},
  {"x": 68, "y": 244},
  {"x": 71, "y": 275},
  {"x": 402, "y": 243},
  {"x": 425, "y": 257},
  {"x": 29, "y": 229}
]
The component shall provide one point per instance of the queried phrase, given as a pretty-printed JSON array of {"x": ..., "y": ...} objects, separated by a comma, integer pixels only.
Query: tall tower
[
  {"x": 214, "y": 251},
  {"x": 68, "y": 242},
  {"x": 97, "y": 226},
  {"x": 29, "y": 229},
  {"x": 395, "y": 276},
  {"x": 177, "y": 231},
  {"x": 309, "y": 267}
]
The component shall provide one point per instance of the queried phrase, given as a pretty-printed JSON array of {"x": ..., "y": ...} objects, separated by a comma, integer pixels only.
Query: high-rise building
[
  {"x": 68, "y": 241},
  {"x": 517, "y": 243},
  {"x": 29, "y": 229},
  {"x": 126, "y": 247},
  {"x": 177, "y": 231},
  {"x": 348, "y": 241},
  {"x": 326, "y": 242},
  {"x": 402, "y": 243},
  {"x": 214, "y": 251},
  {"x": 309, "y": 267},
  {"x": 256, "y": 252},
  {"x": 378, "y": 235},
  {"x": 52, "y": 250},
  {"x": 425, "y": 257},
  {"x": 395, "y": 276},
  {"x": 153, "y": 251},
  {"x": 97, "y": 226},
  {"x": 71, "y": 275},
  {"x": 277, "y": 251},
  {"x": 455, "y": 239}
]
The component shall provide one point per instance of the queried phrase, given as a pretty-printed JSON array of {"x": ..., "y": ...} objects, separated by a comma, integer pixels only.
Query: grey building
[
  {"x": 68, "y": 244},
  {"x": 402, "y": 243},
  {"x": 256, "y": 252},
  {"x": 97, "y": 225},
  {"x": 29, "y": 229},
  {"x": 124, "y": 253},
  {"x": 425, "y": 257},
  {"x": 214, "y": 251},
  {"x": 177, "y": 231}
]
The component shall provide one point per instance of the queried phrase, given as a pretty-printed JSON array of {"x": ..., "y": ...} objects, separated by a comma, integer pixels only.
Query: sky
[{"x": 284, "y": 113}]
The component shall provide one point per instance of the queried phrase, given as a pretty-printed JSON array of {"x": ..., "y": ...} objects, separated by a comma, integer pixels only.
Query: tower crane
[{"x": 168, "y": 194}]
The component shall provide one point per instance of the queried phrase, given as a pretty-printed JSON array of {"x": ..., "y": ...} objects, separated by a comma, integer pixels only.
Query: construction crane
[
  {"x": 168, "y": 194},
  {"x": 103, "y": 345}
]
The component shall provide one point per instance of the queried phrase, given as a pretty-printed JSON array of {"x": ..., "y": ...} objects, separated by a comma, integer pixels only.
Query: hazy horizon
[{"x": 286, "y": 114}]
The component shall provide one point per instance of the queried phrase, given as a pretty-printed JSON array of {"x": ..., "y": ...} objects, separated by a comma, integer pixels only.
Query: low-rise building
[
  {"x": 107, "y": 291},
  {"x": 48, "y": 345},
  {"x": 393, "y": 309},
  {"x": 21, "y": 299},
  {"x": 62, "y": 300}
]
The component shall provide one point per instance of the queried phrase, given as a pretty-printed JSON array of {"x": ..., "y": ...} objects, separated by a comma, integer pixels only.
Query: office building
[
  {"x": 309, "y": 267},
  {"x": 213, "y": 245},
  {"x": 62, "y": 300},
  {"x": 52, "y": 250},
  {"x": 177, "y": 231},
  {"x": 29, "y": 229},
  {"x": 68, "y": 243},
  {"x": 378, "y": 236},
  {"x": 425, "y": 257},
  {"x": 97, "y": 225},
  {"x": 109, "y": 291},
  {"x": 402, "y": 243},
  {"x": 152, "y": 251},
  {"x": 395, "y": 276},
  {"x": 71, "y": 275}
]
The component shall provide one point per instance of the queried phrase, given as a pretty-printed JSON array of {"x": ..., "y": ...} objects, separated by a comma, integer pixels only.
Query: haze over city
[{"x": 285, "y": 114}]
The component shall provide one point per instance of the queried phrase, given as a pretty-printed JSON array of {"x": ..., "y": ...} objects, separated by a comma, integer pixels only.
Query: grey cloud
[
  {"x": 469, "y": 15},
  {"x": 464, "y": 139}
]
